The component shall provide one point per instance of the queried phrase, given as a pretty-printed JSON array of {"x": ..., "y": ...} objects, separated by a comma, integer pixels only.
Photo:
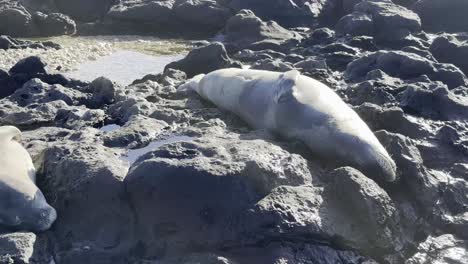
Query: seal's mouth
[{"x": 11, "y": 222}]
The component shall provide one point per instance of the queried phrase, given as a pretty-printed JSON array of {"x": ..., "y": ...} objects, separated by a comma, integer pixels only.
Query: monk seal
[
  {"x": 300, "y": 108},
  {"x": 22, "y": 204}
]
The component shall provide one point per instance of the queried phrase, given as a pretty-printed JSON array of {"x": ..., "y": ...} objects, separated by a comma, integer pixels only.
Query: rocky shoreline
[{"x": 147, "y": 173}]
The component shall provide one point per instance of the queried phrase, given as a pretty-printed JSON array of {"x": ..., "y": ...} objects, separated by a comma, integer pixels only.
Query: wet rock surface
[{"x": 147, "y": 173}]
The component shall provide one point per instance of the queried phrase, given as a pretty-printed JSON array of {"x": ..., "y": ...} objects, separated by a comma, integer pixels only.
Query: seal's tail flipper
[
  {"x": 191, "y": 84},
  {"x": 8, "y": 133}
]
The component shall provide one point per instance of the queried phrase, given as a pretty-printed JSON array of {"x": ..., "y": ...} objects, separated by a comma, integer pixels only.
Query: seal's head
[
  {"x": 22, "y": 204},
  {"x": 22, "y": 211}
]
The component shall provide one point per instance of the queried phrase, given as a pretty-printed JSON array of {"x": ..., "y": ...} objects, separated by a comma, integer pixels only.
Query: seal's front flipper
[
  {"x": 285, "y": 89},
  {"x": 8, "y": 133}
]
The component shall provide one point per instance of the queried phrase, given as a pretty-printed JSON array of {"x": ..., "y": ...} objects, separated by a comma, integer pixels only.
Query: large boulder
[
  {"x": 245, "y": 29},
  {"x": 16, "y": 21},
  {"x": 55, "y": 24},
  {"x": 45, "y": 6},
  {"x": 449, "y": 49},
  {"x": 439, "y": 197},
  {"x": 439, "y": 103},
  {"x": 29, "y": 66},
  {"x": 289, "y": 13},
  {"x": 84, "y": 10},
  {"x": 84, "y": 181},
  {"x": 206, "y": 15},
  {"x": 154, "y": 14},
  {"x": 443, "y": 15},
  {"x": 404, "y": 65},
  {"x": 204, "y": 60},
  {"x": 192, "y": 193},
  {"x": 352, "y": 211},
  {"x": 382, "y": 19}
]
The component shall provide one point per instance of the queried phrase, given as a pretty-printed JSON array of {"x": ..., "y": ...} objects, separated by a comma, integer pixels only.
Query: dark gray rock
[
  {"x": 34, "y": 67},
  {"x": 442, "y": 15},
  {"x": 439, "y": 103},
  {"x": 84, "y": 10},
  {"x": 245, "y": 29},
  {"x": 363, "y": 42},
  {"x": 44, "y": 6},
  {"x": 137, "y": 132},
  {"x": 370, "y": 92},
  {"x": 206, "y": 15},
  {"x": 392, "y": 119},
  {"x": 380, "y": 18},
  {"x": 296, "y": 13},
  {"x": 156, "y": 12},
  {"x": 80, "y": 175},
  {"x": 16, "y": 21},
  {"x": 197, "y": 190},
  {"x": 356, "y": 24},
  {"x": 319, "y": 36},
  {"x": 272, "y": 65},
  {"x": 56, "y": 24},
  {"x": 7, "y": 85},
  {"x": 450, "y": 50},
  {"x": 7, "y": 42},
  {"x": 192, "y": 18},
  {"x": 440, "y": 197},
  {"x": 104, "y": 92},
  {"x": 37, "y": 92},
  {"x": 404, "y": 65},
  {"x": 204, "y": 60},
  {"x": 17, "y": 247},
  {"x": 37, "y": 104},
  {"x": 29, "y": 66},
  {"x": 354, "y": 219},
  {"x": 441, "y": 249}
]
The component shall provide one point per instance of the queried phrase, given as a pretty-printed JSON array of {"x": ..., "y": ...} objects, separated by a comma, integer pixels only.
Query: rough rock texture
[
  {"x": 195, "y": 16},
  {"x": 204, "y": 60},
  {"x": 443, "y": 249},
  {"x": 7, "y": 42},
  {"x": 148, "y": 173},
  {"x": 289, "y": 13},
  {"x": 84, "y": 10},
  {"x": 245, "y": 29},
  {"x": 207, "y": 15},
  {"x": 16, "y": 21},
  {"x": 442, "y": 15},
  {"x": 449, "y": 49},
  {"x": 222, "y": 177},
  {"x": 55, "y": 24},
  {"x": 382, "y": 19},
  {"x": 28, "y": 20},
  {"x": 17, "y": 247},
  {"x": 405, "y": 65},
  {"x": 295, "y": 211}
]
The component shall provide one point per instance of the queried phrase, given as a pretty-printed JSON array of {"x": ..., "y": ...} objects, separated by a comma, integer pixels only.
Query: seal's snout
[{"x": 46, "y": 217}]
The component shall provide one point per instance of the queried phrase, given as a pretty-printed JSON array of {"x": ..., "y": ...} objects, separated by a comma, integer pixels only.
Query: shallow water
[
  {"x": 109, "y": 128},
  {"x": 123, "y": 66},
  {"x": 120, "y": 58},
  {"x": 132, "y": 155}
]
